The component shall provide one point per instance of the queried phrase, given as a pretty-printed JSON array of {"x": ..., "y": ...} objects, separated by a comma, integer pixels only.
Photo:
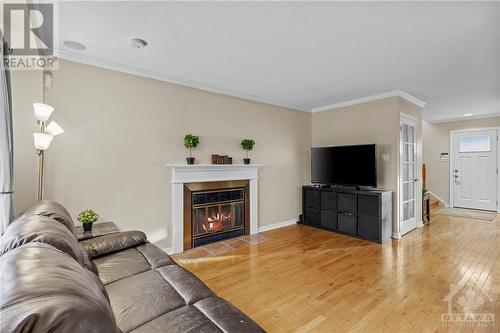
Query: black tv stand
[
  {"x": 355, "y": 187},
  {"x": 353, "y": 211}
]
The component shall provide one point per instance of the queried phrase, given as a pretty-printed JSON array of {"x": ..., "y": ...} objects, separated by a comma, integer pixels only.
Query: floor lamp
[{"x": 43, "y": 139}]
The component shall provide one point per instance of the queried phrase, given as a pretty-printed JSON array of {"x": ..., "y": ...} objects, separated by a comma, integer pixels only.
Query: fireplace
[{"x": 215, "y": 211}]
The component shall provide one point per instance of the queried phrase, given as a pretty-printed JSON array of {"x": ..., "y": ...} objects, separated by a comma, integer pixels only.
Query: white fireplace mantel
[{"x": 182, "y": 173}]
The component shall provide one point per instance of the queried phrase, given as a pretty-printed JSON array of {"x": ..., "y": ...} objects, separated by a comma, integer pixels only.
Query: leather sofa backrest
[
  {"x": 53, "y": 210},
  {"x": 28, "y": 229},
  {"x": 44, "y": 290}
]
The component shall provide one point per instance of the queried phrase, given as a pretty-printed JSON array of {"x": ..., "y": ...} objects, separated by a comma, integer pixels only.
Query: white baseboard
[
  {"x": 396, "y": 235},
  {"x": 278, "y": 225},
  {"x": 420, "y": 224},
  {"x": 168, "y": 250}
]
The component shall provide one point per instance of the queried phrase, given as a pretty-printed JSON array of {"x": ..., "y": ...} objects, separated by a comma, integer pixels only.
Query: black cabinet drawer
[
  {"x": 347, "y": 223},
  {"x": 368, "y": 227},
  {"x": 311, "y": 198},
  {"x": 368, "y": 205},
  {"x": 311, "y": 216},
  {"x": 328, "y": 200},
  {"x": 360, "y": 213},
  {"x": 328, "y": 219},
  {"x": 347, "y": 203}
]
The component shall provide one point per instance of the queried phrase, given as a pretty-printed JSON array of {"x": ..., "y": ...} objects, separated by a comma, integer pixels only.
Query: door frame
[
  {"x": 451, "y": 159},
  {"x": 418, "y": 165}
]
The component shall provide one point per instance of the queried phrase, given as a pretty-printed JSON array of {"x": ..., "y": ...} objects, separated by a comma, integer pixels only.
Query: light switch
[{"x": 386, "y": 157}]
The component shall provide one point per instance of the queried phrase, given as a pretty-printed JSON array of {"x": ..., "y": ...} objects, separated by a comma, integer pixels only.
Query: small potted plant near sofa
[
  {"x": 247, "y": 144},
  {"x": 191, "y": 141},
  {"x": 88, "y": 217}
]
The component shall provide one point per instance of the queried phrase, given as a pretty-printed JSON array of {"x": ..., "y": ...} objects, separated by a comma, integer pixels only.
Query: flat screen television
[{"x": 344, "y": 165}]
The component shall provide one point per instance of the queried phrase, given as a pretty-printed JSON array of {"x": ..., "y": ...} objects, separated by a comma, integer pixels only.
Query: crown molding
[
  {"x": 451, "y": 120},
  {"x": 394, "y": 93},
  {"x": 115, "y": 66}
]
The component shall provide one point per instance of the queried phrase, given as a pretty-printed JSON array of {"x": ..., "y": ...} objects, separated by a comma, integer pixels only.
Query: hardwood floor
[{"x": 301, "y": 279}]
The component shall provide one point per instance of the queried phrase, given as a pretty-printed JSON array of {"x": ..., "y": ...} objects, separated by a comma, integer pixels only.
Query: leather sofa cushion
[
  {"x": 104, "y": 245},
  {"x": 186, "y": 319},
  {"x": 210, "y": 315},
  {"x": 186, "y": 284},
  {"x": 141, "y": 298},
  {"x": 88, "y": 263},
  {"x": 126, "y": 263},
  {"x": 226, "y": 316},
  {"x": 52, "y": 210},
  {"x": 44, "y": 290},
  {"x": 40, "y": 229},
  {"x": 155, "y": 256}
]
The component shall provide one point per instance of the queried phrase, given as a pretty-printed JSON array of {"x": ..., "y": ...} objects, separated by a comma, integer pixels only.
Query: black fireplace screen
[{"x": 218, "y": 211}]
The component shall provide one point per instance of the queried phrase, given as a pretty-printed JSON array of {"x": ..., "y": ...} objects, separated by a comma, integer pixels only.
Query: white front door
[
  {"x": 474, "y": 169},
  {"x": 408, "y": 172}
]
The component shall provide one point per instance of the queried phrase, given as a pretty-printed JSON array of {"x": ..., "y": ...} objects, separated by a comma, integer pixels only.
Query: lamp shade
[
  {"x": 42, "y": 111},
  {"x": 42, "y": 140},
  {"x": 54, "y": 129}
]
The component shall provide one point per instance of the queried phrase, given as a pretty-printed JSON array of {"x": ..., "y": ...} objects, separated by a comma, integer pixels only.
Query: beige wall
[
  {"x": 27, "y": 88},
  {"x": 121, "y": 131},
  {"x": 372, "y": 122},
  {"x": 437, "y": 141}
]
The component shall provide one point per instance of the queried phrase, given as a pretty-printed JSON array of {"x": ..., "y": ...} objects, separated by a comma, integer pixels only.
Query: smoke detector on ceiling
[{"x": 138, "y": 43}]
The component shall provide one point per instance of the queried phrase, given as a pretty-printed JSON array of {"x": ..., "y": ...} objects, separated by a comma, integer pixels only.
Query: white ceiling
[{"x": 303, "y": 55}]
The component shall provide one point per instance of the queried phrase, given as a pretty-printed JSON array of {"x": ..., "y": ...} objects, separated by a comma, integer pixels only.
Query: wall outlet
[{"x": 386, "y": 157}]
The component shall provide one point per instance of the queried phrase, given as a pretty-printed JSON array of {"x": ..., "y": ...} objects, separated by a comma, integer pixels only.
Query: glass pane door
[{"x": 408, "y": 169}]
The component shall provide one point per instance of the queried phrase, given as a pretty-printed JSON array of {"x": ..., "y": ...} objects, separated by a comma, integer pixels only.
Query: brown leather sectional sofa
[{"x": 120, "y": 282}]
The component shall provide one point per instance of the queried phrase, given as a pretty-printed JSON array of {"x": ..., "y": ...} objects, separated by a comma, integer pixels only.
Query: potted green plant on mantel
[
  {"x": 247, "y": 145},
  {"x": 191, "y": 141},
  {"x": 88, "y": 217}
]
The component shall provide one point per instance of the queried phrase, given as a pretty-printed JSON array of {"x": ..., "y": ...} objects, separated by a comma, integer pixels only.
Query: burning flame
[{"x": 217, "y": 222}]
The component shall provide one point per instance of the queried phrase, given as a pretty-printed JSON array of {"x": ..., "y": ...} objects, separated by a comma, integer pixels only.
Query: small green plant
[
  {"x": 88, "y": 216},
  {"x": 191, "y": 141},
  {"x": 247, "y": 144}
]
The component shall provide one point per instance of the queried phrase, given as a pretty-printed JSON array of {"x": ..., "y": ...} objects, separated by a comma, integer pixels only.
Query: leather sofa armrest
[{"x": 107, "y": 244}]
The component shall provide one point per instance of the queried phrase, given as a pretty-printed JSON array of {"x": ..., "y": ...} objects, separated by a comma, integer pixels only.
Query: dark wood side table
[
  {"x": 426, "y": 207},
  {"x": 98, "y": 229}
]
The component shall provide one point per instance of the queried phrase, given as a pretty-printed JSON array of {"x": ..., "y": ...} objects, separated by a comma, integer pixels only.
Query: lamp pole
[
  {"x": 41, "y": 166},
  {"x": 42, "y": 140},
  {"x": 40, "y": 175}
]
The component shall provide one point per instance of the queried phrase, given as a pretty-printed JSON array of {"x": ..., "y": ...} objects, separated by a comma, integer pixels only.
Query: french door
[
  {"x": 408, "y": 172},
  {"x": 474, "y": 169}
]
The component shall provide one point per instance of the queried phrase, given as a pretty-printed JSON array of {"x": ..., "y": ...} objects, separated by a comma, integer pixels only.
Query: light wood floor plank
[{"x": 301, "y": 279}]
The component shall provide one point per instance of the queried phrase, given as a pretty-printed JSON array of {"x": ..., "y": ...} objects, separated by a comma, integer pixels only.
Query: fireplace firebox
[{"x": 215, "y": 211}]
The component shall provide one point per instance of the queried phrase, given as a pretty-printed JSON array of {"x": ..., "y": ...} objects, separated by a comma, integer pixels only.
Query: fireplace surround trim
[{"x": 199, "y": 173}]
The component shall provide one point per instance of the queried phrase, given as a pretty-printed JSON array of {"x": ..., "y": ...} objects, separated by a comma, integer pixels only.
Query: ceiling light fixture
[
  {"x": 138, "y": 43},
  {"x": 70, "y": 44},
  {"x": 467, "y": 114}
]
